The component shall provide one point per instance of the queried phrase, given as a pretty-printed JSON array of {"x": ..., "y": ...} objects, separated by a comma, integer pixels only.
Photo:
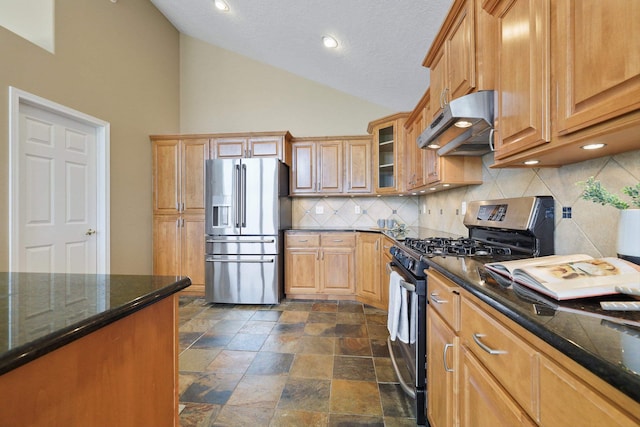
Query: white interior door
[{"x": 59, "y": 213}]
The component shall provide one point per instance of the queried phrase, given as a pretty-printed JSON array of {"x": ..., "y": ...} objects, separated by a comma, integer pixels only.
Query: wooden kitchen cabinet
[
  {"x": 331, "y": 166},
  {"x": 443, "y": 324},
  {"x": 178, "y": 242},
  {"x": 523, "y": 118},
  {"x": 451, "y": 58},
  {"x": 178, "y": 175},
  {"x": 319, "y": 265},
  {"x": 236, "y": 146},
  {"x": 541, "y": 386},
  {"x": 388, "y": 153},
  {"x": 368, "y": 264},
  {"x": 416, "y": 157},
  {"x": 577, "y": 82}
]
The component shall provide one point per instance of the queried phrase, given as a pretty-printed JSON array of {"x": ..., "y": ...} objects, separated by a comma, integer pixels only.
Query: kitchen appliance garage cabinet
[{"x": 485, "y": 370}]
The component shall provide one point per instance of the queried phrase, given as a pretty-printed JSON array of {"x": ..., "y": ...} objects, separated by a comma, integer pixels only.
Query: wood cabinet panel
[
  {"x": 303, "y": 170},
  {"x": 483, "y": 402},
  {"x": 326, "y": 270},
  {"x": 442, "y": 369},
  {"x": 194, "y": 154},
  {"x": 368, "y": 265},
  {"x": 358, "y": 178},
  {"x": 496, "y": 347},
  {"x": 596, "y": 56},
  {"x": 229, "y": 148},
  {"x": 192, "y": 250},
  {"x": 330, "y": 167},
  {"x": 568, "y": 401},
  {"x": 166, "y": 241},
  {"x": 166, "y": 176},
  {"x": 100, "y": 378},
  {"x": 388, "y": 153},
  {"x": 523, "y": 114}
]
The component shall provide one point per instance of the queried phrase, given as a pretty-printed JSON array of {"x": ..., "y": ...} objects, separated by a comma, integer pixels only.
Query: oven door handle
[{"x": 408, "y": 286}]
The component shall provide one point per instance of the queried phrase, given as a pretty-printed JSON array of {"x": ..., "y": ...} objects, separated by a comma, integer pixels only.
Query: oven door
[{"x": 409, "y": 359}]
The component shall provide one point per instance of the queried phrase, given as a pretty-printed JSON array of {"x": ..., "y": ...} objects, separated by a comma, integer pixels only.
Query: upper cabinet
[
  {"x": 577, "y": 80},
  {"x": 415, "y": 157},
  {"x": 331, "y": 166},
  {"x": 235, "y": 146},
  {"x": 388, "y": 153},
  {"x": 522, "y": 114},
  {"x": 174, "y": 190},
  {"x": 451, "y": 59}
]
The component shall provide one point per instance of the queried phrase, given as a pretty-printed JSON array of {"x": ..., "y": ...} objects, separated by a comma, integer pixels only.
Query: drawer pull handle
[
  {"x": 476, "y": 338},
  {"x": 444, "y": 357},
  {"x": 435, "y": 299},
  {"x": 303, "y": 241},
  {"x": 337, "y": 240}
]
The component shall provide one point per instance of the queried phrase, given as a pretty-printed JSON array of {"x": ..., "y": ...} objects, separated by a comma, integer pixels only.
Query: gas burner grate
[{"x": 463, "y": 246}]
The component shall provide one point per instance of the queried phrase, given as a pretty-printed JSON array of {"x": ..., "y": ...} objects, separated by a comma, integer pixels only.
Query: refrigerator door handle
[
  {"x": 238, "y": 195},
  {"x": 244, "y": 195},
  {"x": 241, "y": 241},
  {"x": 243, "y": 261}
]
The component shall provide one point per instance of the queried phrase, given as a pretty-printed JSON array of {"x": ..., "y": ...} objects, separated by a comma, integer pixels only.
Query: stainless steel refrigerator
[{"x": 247, "y": 210}]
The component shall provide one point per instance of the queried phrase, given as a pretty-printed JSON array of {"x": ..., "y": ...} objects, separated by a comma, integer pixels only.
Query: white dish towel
[{"x": 397, "y": 315}]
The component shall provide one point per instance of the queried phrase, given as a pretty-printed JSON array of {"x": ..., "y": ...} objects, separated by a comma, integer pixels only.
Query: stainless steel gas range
[{"x": 498, "y": 230}]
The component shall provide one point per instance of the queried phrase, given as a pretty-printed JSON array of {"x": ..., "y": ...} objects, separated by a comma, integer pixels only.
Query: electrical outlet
[
  {"x": 357, "y": 209},
  {"x": 319, "y": 210}
]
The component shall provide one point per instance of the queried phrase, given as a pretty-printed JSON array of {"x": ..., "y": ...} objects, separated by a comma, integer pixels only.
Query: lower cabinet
[
  {"x": 319, "y": 265},
  {"x": 338, "y": 265},
  {"x": 492, "y": 372},
  {"x": 178, "y": 242}
]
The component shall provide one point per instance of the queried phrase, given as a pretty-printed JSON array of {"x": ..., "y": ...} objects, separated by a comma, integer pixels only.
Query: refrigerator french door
[{"x": 247, "y": 209}]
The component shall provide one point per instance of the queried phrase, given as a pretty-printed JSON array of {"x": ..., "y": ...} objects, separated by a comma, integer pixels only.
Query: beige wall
[
  {"x": 117, "y": 62},
  {"x": 225, "y": 92}
]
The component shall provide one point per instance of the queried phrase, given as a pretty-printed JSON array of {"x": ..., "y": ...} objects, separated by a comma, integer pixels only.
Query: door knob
[{"x": 89, "y": 232}]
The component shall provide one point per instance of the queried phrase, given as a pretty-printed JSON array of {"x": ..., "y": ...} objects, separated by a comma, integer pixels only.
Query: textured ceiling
[{"x": 382, "y": 43}]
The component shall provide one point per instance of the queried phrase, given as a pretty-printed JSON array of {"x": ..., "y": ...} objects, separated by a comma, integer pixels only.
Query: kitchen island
[{"x": 80, "y": 350}]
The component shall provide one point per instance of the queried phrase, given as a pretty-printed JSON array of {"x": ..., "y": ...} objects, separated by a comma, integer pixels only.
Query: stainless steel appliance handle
[
  {"x": 444, "y": 357},
  {"x": 476, "y": 338},
  {"x": 408, "y": 286},
  {"x": 253, "y": 261},
  {"x": 410, "y": 391},
  {"x": 241, "y": 241},
  {"x": 238, "y": 197},
  {"x": 244, "y": 195}
]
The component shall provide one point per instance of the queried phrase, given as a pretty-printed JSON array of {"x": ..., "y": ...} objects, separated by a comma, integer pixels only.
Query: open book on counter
[{"x": 570, "y": 276}]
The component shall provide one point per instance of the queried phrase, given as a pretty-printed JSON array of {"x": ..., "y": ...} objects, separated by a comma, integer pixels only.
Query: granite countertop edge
[
  {"x": 615, "y": 375},
  {"x": 24, "y": 354}
]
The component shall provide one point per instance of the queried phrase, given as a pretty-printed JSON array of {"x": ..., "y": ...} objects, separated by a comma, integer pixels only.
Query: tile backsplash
[
  {"x": 581, "y": 226},
  {"x": 342, "y": 212}
]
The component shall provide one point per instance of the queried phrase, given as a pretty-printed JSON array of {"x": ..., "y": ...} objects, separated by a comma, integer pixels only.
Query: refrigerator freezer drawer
[
  {"x": 242, "y": 245},
  {"x": 247, "y": 279}
]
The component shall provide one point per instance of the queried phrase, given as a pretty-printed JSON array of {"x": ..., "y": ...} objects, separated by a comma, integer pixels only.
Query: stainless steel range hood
[{"x": 464, "y": 128}]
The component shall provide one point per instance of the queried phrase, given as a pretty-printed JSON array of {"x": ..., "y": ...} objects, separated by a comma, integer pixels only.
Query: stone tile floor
[{"x": 299, "y": 363}]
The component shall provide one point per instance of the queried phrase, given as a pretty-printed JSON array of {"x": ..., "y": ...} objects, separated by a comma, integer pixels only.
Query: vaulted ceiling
[{"x": 381, "y": 43}]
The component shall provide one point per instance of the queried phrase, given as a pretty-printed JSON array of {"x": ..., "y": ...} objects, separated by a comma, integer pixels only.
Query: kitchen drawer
[
  {"x": 341, "y": 240},
  {"x": 444, "y": 298},
  {"x": 302, "y": 240},
  {"x": 512, "y": 361}
]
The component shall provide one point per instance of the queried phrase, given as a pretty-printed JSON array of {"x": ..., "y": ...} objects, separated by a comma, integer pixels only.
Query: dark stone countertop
[
  {"x": 42, "y": 312},
  {"x": 607, "y": 343}
]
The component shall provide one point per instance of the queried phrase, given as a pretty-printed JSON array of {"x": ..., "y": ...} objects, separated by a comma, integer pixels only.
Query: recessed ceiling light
[
  {"x": 221, "y": 5},
  {"x": 329, "y": 42},
  {"x": 531, "y": 162},
  {"x": 596, "y": 146},
  {"x": 434, "y": 146}
]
